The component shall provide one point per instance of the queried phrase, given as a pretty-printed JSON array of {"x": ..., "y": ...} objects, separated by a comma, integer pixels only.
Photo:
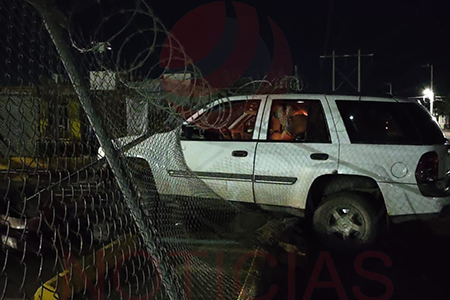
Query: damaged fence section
[{"x": 79, "y": 216}]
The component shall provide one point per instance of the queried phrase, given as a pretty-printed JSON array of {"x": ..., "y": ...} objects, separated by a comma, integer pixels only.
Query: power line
[{"x": 333, "y": 56}]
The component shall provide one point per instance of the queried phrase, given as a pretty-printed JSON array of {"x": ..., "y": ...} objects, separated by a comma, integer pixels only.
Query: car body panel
[
  {"x": 284, "y": 171},
  {"x": 215, "y": 162},
  {"x": 281, "y": 173},
  {"x": 382, "y": 162},
  {"x": 406, "y": 199},
  {"x": 229, "y": 176}
]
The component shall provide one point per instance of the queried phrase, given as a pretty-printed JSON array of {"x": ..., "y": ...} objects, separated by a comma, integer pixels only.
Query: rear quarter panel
[{"x": 392, "y": 167}]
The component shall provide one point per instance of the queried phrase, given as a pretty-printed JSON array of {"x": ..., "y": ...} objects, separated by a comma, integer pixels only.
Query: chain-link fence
[
  {"x": 107, "y": 189},
  {"x": 80, "y": 213}
]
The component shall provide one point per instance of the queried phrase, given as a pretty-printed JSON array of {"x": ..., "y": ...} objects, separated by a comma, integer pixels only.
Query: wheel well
[{"x": 330, "y": 184}]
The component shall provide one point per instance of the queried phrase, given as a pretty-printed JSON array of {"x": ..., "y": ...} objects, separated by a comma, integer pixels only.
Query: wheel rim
[{"x": 347, "y": 223}]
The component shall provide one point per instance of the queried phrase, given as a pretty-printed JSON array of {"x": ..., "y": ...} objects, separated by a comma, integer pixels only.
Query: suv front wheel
[{"x": 346, "y": 221}]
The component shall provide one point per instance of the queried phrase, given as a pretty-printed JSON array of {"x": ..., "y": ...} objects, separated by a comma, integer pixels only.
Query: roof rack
[{"x": 371, "y": 94}]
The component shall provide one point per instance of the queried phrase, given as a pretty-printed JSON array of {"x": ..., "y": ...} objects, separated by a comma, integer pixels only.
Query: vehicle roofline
[{"x": 349, "y": 97}]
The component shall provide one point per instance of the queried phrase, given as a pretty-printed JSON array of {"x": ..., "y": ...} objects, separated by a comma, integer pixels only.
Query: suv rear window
[{"x": 372, "y": 122}]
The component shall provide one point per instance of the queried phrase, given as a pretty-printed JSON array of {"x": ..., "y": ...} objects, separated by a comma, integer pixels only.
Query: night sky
[{"x": 404, "y": 37}]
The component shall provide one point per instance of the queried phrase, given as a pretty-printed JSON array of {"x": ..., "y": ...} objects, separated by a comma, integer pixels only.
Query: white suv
[{"x": 346, "y": 162}]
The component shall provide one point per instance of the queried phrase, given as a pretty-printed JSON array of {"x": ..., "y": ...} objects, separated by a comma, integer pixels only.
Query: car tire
[{"x": 346, "y": 221}]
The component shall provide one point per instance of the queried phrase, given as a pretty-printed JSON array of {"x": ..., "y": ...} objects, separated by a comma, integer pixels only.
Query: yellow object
[
  {"x": 72, "y": 280},
  {"x": 74, "y": 117},
  {"x": 17, "y": 163}
]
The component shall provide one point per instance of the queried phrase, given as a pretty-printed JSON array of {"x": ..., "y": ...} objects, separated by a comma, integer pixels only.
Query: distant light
[
  {"x": 300, "y": 101},
  {"x": 428, "y": 93},
  {"x": 10, "y": 242},
  {"x": 351, "y": 118}
]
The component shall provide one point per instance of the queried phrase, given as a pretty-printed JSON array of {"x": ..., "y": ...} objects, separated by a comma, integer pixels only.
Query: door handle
[
  {"x": 319, "y": 156},
  {"x": 239, "y": 153}
]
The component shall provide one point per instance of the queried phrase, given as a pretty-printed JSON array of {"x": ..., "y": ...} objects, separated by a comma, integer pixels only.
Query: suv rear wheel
[{"x": 346, "y": 221}]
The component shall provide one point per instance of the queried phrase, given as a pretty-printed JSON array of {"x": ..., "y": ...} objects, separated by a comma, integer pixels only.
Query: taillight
[{"x": 428, "y": 168}]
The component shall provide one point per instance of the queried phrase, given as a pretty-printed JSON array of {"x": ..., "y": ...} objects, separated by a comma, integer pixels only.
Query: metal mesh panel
[
  {"x": 124, "y": 174},
  {"x": 84, "y": 131}
]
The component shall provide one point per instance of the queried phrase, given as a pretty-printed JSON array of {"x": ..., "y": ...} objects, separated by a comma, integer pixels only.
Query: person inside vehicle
[{"x": 288, "y": 124}]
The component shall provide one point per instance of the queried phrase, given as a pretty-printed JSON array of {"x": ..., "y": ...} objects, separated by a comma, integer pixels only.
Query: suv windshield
[{"x": 371, "y": 122}]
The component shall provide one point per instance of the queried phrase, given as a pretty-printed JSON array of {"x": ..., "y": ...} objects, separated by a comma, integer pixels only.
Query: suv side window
[
  {"x": 230, "y": 120},
  {"x": 298, "y": 121},
  {"x": 371, "y": 122}
]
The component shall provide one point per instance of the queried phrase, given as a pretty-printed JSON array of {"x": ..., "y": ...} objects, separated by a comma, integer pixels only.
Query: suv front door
[
  {"x": 295, "y": 146},
  {"x": 219, "y": 146}
]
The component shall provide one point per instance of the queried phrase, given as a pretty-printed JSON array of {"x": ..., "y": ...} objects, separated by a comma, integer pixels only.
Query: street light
[{"x": 428, "y": 93}]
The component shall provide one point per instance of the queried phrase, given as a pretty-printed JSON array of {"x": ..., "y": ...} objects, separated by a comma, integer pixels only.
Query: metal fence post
[{"x": 52, "y": 19}]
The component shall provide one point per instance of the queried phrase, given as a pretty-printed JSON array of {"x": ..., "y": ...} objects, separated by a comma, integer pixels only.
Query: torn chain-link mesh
[{"x": 79, "y": 217}]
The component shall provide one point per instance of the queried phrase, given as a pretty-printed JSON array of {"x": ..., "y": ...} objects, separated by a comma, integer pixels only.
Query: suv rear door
[{"x": 295, "y": 146}]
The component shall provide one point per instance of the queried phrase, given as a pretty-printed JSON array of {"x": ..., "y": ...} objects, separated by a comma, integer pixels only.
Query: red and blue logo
[{"x": 224, "y": 49}]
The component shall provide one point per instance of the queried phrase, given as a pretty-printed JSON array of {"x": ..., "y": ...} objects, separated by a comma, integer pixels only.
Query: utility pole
[
  {"x": 334, "y": 71},
  {"x": 429, "y": 92},
  {"x": 390, "y": 87},
  {"x": 333, "y": 56},
  {"x": 359, "y": 70},
  {"x": 432, "y": 92}
]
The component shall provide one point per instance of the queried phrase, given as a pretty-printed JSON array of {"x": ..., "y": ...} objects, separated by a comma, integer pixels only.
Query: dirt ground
[{"x": 411, "y": 261}]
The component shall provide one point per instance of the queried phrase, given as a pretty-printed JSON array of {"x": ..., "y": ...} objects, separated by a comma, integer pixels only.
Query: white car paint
[{"x": 391, "y": 166}]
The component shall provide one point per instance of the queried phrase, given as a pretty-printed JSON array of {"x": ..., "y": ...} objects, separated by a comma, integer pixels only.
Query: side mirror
[{"x": 186, "y": 132}]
